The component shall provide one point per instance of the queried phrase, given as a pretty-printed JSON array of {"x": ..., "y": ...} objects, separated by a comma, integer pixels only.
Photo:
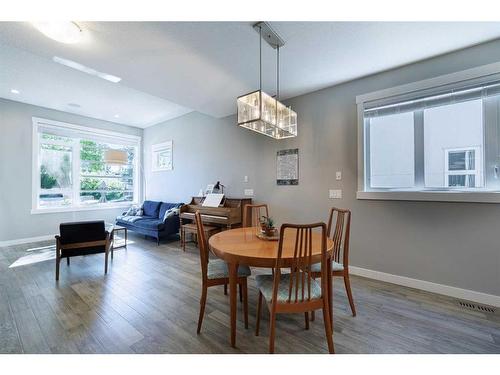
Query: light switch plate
[
  {"x": 335, "y": 194},
  {"x": 248, "y": 192},
  {"x": 338, "y": 175}
]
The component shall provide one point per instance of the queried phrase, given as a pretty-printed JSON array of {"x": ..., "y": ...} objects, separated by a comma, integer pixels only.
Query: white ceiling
[{"x": 171, "y": 68}]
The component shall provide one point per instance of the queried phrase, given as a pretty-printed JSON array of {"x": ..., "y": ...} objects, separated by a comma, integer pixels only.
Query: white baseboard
[
  {"x": 451, "y": 291},
  {"x": 20, "y": 241}
]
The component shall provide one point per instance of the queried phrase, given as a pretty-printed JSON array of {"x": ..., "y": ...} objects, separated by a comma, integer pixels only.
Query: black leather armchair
[{"x": 82, "y": 238}]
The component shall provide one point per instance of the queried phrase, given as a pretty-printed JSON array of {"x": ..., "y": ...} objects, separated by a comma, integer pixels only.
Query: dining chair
[
  {"x": 296, "y": 291},
  {"x": 340, "y": 258},
  {"x": 256, "y": 211},
  {"x": 215, "y": 272}
]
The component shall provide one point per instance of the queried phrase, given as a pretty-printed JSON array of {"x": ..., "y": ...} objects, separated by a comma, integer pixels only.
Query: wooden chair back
[
  {"x": 202, "y": 245},
  {"x": 257, "y": 211},
  {"x": 300, "y": 277},
  {"x": 340, "y": 222}
]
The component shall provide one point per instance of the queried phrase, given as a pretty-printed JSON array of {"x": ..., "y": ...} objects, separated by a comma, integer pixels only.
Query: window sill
[
  {"x": 431, "y": 196},
  {"x": 37, "y": 211}
]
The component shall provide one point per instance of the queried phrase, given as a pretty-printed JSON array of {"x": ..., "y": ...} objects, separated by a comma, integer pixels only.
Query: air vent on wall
[{"x": 476, "y": 307}]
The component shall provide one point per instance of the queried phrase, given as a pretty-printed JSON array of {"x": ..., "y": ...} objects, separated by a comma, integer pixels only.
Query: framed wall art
[{"x": 162, "y": 154}]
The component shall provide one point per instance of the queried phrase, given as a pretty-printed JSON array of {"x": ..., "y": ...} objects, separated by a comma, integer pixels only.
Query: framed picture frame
[
  {"x": 287, "y": 167},
  {"x": 162, "y": 156}
]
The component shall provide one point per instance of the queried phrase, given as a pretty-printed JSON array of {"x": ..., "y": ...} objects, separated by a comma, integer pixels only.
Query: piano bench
[{"x": 191, "y": 228}]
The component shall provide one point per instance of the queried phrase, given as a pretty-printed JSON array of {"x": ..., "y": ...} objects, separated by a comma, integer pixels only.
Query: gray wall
[
  {"x": 205, "y": 150},
  {"x": 16, "y": 220},
  {"x": 448, "y": 243}
]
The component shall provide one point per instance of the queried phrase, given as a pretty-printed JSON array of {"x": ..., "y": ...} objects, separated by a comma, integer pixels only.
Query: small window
[{"x": 461, "y": 168}]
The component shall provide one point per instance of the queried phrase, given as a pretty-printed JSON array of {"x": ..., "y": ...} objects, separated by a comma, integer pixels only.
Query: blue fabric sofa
[{"x": 152, "y": 222}]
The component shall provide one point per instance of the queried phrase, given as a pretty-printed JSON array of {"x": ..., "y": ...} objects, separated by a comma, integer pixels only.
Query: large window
[
  {"x": 421, "y": 138},
  {"x": 70, "y": 170}
]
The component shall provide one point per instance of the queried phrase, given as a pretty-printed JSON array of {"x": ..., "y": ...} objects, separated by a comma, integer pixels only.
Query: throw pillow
[
  {"x": 131, "y": 211},
  {"x": 140, "y": 211},
  {"x": 170, "y": 212}
]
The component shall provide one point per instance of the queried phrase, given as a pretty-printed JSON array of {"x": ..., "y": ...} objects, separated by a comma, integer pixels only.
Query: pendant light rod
[
  {"x": 278, "y": 73},
  {"x": 260, "y": 58}
]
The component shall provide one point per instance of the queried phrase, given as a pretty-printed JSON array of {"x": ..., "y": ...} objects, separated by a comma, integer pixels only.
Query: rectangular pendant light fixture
[
  {"x": 260, "y": 112},
  {"x": 264, "y": 114}
]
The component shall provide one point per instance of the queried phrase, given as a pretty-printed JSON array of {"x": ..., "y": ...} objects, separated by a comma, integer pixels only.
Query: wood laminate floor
[{"x": 148, "y": 303}]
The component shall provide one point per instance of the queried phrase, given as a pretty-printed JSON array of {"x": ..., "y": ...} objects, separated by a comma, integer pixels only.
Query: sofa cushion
[
  {"x": 150, "y": 224},
  {"x": 165, "y": 207},
  {"x": 130, "y": 219},
  {"x": 151, "y": 208}
]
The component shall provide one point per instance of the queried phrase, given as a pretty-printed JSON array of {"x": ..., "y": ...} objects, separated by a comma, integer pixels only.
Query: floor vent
[{"x": 473, "y": 306}]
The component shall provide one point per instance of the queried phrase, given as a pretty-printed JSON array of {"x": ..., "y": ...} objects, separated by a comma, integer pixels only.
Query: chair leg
[
  {"x": 241, "y": 293},
  {"x": 306, "y": 318},
  {"x": 245, "y": 301},
  {"x": 183, "y": 240},
  {"x": 347, "y": 284},
  {"x": 203, "y": 301},
  {"x": 225, "y": 289},
  {"x": 328, "y": 328},
  {"x": 313, "y": 313},
  {"x": 157, "y": 241},
  {"x": 272, "y": 328},
  {"x": 58, "y": 261},
  {"x": 259, "y": 306},
  {"x": 106, "y": 262},
  {"x": 67, "y": 261}
]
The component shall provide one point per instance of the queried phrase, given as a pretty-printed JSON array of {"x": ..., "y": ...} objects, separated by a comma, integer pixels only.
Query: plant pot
[{"x": 270, "y": 231}]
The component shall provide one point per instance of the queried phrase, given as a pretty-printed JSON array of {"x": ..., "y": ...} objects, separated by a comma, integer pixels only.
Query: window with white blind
[
  {"x": 70, "y": 171},
  {"x": 437, "y": 136}
]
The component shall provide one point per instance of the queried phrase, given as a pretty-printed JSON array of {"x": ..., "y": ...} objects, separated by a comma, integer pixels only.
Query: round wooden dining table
[{"x": 243, "y": 246}]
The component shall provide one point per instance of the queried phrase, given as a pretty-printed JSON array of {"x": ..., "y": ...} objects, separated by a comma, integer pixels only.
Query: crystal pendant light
[{"x": 261, "y": 112}]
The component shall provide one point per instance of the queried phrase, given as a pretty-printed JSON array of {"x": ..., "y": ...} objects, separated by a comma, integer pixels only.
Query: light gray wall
[
  {"x": 206, "y": 150},
  {"x": 448, "y": 243},
  {"x": 16, "y": 220}
]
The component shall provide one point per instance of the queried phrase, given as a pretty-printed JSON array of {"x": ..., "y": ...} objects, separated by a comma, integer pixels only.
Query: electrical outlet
[
  {"x": 338, "y": 175},
  {"x": 245, "y": 179},
  {"x": 248, "y": 192},
  {"x": 335, "y": 194}
]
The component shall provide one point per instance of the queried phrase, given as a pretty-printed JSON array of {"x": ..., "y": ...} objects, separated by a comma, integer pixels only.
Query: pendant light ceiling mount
[
  {"x": 263, "y": 113},
  {"x": 268, "y": 34}
]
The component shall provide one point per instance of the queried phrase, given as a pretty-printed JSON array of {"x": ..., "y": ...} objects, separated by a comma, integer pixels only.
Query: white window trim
[
  {"x": 483, "y": 196},
  {"x": 35, "y": 178}
]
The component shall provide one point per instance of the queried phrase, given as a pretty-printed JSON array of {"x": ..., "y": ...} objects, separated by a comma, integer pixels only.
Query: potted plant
[{"x": 267, "y": 226}]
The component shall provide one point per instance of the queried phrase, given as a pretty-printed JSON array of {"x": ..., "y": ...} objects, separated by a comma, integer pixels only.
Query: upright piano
[{"x": 226, "y": 216}]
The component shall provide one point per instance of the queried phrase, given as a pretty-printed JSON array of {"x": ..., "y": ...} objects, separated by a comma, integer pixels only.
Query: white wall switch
[
  {"x": 335, "y": 194},
  {"x": 338, "y": 175},
  {"x": 245, "y": 179},
  {"x": 249, "y": 192}
]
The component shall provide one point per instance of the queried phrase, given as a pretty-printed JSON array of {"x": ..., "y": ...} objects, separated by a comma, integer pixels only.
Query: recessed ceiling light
[
  {"x": 116, "y": 116},
  {"x": 74, "y": 105},
  {"x": 86, "y": 69},
  {"x": 14, "y": 91},
  {"x": 62, "y": 31}
]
